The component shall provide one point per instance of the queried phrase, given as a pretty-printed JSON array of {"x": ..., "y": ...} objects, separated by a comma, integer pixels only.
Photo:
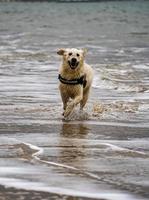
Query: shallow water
[{"x": 102, "y": 153}]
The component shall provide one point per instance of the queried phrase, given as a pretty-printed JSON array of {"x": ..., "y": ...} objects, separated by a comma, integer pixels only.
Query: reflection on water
[
  {"x": 74, "y": 130},
  {"x": 73, "y": 151},
  {"x": 101, "y": 153}
]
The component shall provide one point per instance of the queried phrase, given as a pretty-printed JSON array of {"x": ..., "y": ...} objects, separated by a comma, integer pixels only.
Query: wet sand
[
  {"x": 73, "y": 157},
  {"x": 12, "y": 193}
]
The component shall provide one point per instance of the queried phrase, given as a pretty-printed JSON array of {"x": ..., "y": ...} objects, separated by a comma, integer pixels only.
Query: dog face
[{"x": 72, "y": 58}]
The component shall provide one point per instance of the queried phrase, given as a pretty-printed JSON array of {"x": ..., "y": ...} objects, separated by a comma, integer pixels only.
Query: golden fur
[{"x": 77, "y": 93}]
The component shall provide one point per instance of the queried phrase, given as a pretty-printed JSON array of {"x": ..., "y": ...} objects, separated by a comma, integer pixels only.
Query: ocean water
[{"x": 102, "y": 153}]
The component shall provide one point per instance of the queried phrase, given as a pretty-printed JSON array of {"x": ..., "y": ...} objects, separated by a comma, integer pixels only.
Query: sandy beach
[{"x": 100, "y": 153}]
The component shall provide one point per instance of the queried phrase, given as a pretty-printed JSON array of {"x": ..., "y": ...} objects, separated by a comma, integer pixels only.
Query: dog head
[{"x": 72, "y": 58}]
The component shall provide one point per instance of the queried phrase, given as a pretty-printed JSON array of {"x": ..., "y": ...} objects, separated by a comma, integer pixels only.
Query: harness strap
[{"x": 77, "y": 81}]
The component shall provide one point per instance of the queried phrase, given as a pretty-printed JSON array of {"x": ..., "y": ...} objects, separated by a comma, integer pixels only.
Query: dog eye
[
  {"x": 70, "y": 54},
  {"x": 78, "y": 55}
]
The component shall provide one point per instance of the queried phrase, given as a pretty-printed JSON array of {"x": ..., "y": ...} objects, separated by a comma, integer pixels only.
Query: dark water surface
[{"x": 102, "y": 153}]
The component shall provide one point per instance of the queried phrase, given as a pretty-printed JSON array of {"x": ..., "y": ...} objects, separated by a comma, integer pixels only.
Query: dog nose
[{"x": 73, "y": 60}]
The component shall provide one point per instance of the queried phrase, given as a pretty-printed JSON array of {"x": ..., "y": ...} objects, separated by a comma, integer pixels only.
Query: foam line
[{"x": 40, "y": 151}]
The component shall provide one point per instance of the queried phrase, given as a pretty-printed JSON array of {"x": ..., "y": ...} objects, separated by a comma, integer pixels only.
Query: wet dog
[{"x": 75, "y": 78}]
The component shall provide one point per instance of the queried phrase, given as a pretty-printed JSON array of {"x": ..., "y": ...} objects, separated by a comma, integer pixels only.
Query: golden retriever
[{"x": 75, "y": 78}]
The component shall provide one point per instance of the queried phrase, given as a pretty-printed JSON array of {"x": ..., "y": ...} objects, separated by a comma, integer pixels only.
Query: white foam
[
  {"x": 120, "y": 149},
  {"x": 117, "y": 84},
  {"x": 98, "y": 82},
  {"x": 40, "y": 151},
  {"x": 79, "y": 115},
  {"x": 143, "y": 107},
  {"x": 138, "y": 50},
  {"x": 141, "y": 66}
]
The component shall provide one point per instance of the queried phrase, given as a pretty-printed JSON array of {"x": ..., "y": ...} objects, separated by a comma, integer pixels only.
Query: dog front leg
[
  {"x": 65, "y": 99},
  {"x": 72, "y": 104}
]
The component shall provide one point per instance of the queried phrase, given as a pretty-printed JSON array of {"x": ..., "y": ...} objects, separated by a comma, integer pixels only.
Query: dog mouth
[{"x": 73, "y": 64}]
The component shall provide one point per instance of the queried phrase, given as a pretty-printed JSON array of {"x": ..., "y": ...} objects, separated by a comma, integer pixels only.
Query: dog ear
[
  {"x": 84, "y": 51},
  {"x": 60, "y": 51}
]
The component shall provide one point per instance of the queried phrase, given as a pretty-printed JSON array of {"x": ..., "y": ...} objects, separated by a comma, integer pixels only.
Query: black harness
[{"x": 77, "y": 81}]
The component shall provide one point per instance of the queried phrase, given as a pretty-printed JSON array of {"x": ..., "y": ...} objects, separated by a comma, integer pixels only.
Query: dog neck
[{"x": 78, "y": 81}]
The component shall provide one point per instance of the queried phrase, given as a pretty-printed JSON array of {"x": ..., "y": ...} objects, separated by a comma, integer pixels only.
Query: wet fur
[{"x": 76, "y": 93}]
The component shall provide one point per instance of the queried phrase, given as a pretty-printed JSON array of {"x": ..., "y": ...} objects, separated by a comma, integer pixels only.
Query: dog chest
[{"x": 71, "y": 90}]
